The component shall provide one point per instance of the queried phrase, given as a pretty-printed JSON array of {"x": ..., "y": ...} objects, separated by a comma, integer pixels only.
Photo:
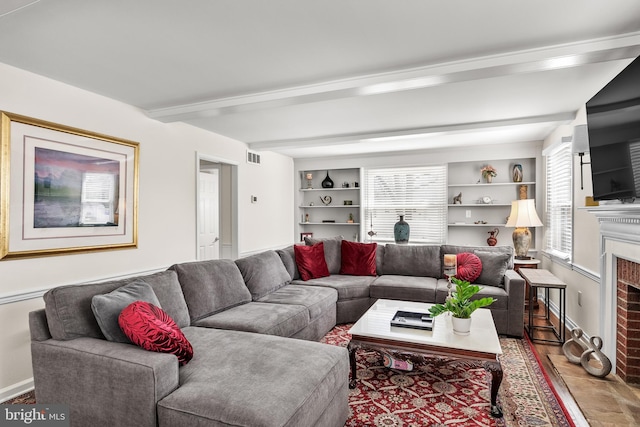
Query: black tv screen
[{"x": 613, "y": 122}]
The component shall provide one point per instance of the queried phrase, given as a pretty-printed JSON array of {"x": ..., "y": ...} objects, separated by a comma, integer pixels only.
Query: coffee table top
[{"x": 376, "y": 324}]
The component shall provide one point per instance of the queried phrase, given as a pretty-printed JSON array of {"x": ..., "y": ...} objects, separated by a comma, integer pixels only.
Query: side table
[
  {"x": 527, "y": 263},
  {"x": 545, "y": 279}
]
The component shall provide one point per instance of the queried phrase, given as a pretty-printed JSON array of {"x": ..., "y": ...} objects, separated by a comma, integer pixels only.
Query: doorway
[{"x": 216, "y": 209}]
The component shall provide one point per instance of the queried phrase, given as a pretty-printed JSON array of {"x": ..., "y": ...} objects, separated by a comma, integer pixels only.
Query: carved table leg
[
  {"x": 494, "y": 368},
  {"x": 352, "y": 360}
]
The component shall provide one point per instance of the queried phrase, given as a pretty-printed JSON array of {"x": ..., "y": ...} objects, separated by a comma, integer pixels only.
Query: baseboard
[{"x": 16, "y": 390}]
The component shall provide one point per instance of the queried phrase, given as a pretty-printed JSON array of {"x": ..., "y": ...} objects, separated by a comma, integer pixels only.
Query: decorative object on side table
[
  {"x": 401, "y": 231},
  {"x": 517, "y": 174},
  {"x": 488, "y": 172},
  {"x": 327, "y": 182},
  {"x": 326, "y": 200},
  {"x": 461, "y": 307},
  {"x": 523, "y": 215},
  {"x": 457, "y": 200},
  {"x": 492, "y": 240},
  {"x": 450, "y": 263}
]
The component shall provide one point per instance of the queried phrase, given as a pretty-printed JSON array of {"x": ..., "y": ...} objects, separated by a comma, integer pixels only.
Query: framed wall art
[{"x": 64, "y": 189}]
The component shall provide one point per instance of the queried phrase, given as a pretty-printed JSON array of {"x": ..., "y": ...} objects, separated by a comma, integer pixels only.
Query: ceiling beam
[
  {"x": 529, "y": 61},
  {"x": 559, "y": 118}
]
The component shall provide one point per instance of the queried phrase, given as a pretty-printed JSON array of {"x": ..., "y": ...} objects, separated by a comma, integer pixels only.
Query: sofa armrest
[
  {"x": 104, "y": 383},
  {"x": 514, "y": 285}
]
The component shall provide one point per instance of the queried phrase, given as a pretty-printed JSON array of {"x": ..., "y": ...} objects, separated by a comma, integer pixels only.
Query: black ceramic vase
[
  {"x": 327, "y": 182},
  {"x": 401, "y": 231}
]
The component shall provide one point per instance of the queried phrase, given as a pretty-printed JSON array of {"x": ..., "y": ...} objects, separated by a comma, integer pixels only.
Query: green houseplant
[{"x": 461, "y": 306}]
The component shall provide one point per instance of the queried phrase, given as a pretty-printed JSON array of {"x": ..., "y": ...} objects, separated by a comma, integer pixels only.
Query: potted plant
[
  {"x": 488, "y": 172},
  {"x": 461, "y": 306}
]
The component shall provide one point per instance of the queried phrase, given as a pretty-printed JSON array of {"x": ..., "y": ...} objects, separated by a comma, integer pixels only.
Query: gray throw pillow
[
  {"x": 332, "y": 251},
  {"x": 107, "y": 307},
  {"x": 263, "y": 273},
  {"x": 494, "y": 267}
]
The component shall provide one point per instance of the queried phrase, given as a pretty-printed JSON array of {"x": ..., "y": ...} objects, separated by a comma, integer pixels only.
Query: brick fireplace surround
[{"x": 628, "y": 321}]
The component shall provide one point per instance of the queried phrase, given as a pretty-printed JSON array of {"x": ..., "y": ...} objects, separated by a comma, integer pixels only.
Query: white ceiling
[{"x": 318, "y": 78}]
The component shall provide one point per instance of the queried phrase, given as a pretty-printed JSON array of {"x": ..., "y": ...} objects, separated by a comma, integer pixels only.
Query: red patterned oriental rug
[{"x": 438, "y": 392}]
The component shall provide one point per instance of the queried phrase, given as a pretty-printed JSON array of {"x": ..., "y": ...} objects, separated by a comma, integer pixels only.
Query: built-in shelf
[
  {"x": 479, "y": 205},
  {"x": 331, "y": 189},
  {"x": 493, "y": 184},
  {"x": 330, "y": 206},
  {"x": 329, "y": 223}
]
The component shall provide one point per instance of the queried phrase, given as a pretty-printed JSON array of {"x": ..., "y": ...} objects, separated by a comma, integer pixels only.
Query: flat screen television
[{"x": 613, "y": 123}]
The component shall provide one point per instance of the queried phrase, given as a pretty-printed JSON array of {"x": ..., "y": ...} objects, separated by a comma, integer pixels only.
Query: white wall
[
  {"x": 583, "y": 274},
  {"x": 167, "y": 229}
]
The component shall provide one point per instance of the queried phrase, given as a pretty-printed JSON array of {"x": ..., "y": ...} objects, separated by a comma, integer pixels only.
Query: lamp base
[{"x": 521, "y": 241}]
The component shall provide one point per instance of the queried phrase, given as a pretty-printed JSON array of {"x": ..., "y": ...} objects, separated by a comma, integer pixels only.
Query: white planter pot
[{"x": 461, "y": 326}]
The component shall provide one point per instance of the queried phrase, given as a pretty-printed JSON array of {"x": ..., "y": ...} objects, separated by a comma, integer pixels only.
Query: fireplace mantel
[{"x": 619, "y": 221}]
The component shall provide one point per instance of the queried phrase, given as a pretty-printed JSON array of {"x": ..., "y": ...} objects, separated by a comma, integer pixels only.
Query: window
[
  {"x": 559, "y": 203},
  {"x": 418, "y": 193}
]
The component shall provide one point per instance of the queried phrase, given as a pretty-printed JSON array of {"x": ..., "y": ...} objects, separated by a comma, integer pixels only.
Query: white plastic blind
[
  {"x": 558, "y": 220},
  {"x": 418, "y": 193}
]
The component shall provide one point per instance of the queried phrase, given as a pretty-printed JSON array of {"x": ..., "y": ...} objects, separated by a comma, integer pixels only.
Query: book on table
[{"x": 413, "y": 320}]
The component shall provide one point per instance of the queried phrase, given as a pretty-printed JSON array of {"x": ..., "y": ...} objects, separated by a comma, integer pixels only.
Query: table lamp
[{"x": 523, "y": 215}]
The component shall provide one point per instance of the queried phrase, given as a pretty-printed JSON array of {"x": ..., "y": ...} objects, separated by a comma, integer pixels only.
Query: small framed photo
[
  {"x": 64, "y": 189},
  {"x": 303, "y": 235}
]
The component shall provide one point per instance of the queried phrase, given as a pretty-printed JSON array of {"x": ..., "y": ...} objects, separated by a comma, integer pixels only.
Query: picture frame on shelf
[
  {"x": 65, "y": 190},
  {"x": 303, "y": 235}
]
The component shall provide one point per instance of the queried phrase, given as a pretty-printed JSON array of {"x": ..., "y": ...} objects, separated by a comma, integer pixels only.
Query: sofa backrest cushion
[
  {"x": 332, "y": 251},
  {"x": 263, "y": 273},
  {"x": 358, "y": 259},
  {"x": 68, "y": 308},
  {"x": 107, "y": 307},
  {"x": 412, "y": 260},
  {"x": 494, "y": 267},
  {"x": 288, "y": 258},
  {"x": 380, "y": 259},
  {"x": 212, "y": 286},
  {"x": 455, "y": 249}
]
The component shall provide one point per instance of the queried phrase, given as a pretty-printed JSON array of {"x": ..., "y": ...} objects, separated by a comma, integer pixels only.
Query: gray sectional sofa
[{"x": 241, "y": 319}]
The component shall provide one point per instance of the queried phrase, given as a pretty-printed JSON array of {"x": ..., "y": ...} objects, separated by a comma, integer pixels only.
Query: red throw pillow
[
  {"x": 151, "y": 328},
  {"x": 358, "y": 259},
  {"x": 469, "y": 266},
  {"x": 310, "y": 261}
]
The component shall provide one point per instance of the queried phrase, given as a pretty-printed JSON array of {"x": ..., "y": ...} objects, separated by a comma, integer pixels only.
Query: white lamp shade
[{"x": 523, "y": 214}]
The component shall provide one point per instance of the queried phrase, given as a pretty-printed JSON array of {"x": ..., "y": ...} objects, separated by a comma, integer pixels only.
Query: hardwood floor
[{"x": 604, "y": 401}]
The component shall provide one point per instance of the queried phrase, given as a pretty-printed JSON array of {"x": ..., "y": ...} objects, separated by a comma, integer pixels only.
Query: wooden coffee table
[{"x": 480, "y": 348}]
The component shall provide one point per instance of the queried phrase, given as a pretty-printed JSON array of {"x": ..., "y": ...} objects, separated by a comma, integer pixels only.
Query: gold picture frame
[{"x": 64, "y": 190}]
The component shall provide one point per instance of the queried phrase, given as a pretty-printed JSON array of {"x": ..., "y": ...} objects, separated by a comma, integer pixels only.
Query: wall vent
[{"x": 253, "y": 157}]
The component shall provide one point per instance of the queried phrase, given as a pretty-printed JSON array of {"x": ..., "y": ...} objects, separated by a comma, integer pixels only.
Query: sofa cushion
[
  {"x": 311, "y": 261},
  {"x": 332, "y": 251},
  {"x": 68, "y": 308},
  {"x": 407, "y": 288},
  {"x": 494, "y": 267},
  {"x": 348, "y": 287},
  {"x": 412, "y": 260},
  {"x": 263, "y": 273},
  {"x": 107, "y": 307},
  {"x": 456, "y": 249},
  {"x": 283, "y": 320},
  {"x": 469, "y": 266},
  {"x": 288, "y": 257},
  {"x": 211, "y": 286},
  {"x": 270, "y": 381},
  {"x": 149, "y": 327},
  {"x": 317, "y": 299},
  {"x": 358, "y": 259}
]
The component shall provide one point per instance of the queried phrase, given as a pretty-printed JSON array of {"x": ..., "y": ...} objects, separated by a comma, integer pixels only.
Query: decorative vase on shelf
[
  {"x": 401, "y": 231},
  {"x": 493, "y": 234},
  {"x": 517, "y": 173},
  {"x": 327, "y": 182}
]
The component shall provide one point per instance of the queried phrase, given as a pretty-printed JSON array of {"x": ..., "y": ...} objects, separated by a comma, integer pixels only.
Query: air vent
[{"x": 253, "y": 157}]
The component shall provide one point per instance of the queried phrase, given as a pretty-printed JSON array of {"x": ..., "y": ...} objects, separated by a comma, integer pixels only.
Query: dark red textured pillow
[
  {"x": 469, "y": 266},
  {"x": 151, "y": 328},
  {"x": 358, "y": 259},
  {"x": 310, "y": 261}
]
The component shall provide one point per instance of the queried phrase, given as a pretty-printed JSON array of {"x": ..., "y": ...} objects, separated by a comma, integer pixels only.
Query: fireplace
[
  {"x": 620, "y": 287},
  {"x": 628, "y": 321}
]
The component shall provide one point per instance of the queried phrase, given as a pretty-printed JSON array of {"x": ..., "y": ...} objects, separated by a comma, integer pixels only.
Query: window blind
[
  {"x": 418, "y": 193},
  {"x": 559, "y": 212}
]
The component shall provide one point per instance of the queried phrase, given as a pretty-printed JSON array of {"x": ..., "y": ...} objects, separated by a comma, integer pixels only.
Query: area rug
[{"x": 439, "y": 392}]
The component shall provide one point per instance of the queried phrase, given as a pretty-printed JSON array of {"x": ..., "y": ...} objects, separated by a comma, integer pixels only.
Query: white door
[{"x": 209, "y": 215}]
